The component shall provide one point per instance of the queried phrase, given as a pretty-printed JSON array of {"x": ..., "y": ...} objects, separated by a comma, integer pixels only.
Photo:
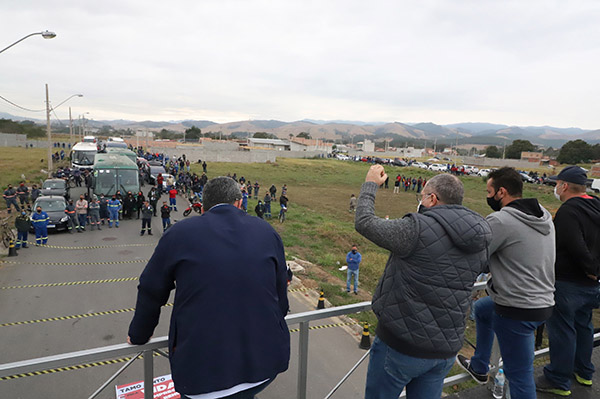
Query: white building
[
  {"x": 366, "y": 146},
  {"x": 272, "y": 144}
]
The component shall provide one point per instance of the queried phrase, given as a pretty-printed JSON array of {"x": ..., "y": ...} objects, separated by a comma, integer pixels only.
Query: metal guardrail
[{"x": 156, "y": 344}]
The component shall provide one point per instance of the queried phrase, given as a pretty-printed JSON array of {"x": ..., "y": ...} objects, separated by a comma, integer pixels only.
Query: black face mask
[
  {"x": 354, "y": 251},
  {"x": 495, "y": 204},
  {"x": 39, "y": 211}
]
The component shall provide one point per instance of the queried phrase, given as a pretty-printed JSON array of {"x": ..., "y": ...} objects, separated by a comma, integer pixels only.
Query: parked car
[
  {"x": 54, "y": 206},
  {"x": 342, "y": 157},
  {"x": 526, "y": 178},
  {"x": 471, "y": 170},
  {"x": 484, "y": 172},
  {"x": 56, "y": 187},
  {"x": 419, "y": 165},
  {"x": 437, "y": 167},
  {"x": 399, "y": 162},
  {"x": 595, "y": 185},
  {"x": 155, "y": 170}
]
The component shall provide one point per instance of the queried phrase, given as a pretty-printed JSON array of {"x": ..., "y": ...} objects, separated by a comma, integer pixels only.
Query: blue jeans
[
  {"x": 82, "y": 218},
  {"x": 173, "y": 203},
  {"x": 166, "y": 223},
  {"x": 349, "y": 279},
  {"x": 571, "y": 333},
  {"x": 517, "y": 344},
  {"x": 390, "y": 371}
]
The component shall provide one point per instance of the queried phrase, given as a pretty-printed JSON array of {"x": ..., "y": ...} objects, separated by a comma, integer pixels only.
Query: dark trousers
[
  {"x": 248, "y": 393},
  {"x": 147, "y": 223},
  {"x": 571, "y": 333}
]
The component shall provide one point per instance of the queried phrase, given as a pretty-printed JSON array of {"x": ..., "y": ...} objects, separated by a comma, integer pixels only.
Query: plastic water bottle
[{"x": 499, "y": 380}]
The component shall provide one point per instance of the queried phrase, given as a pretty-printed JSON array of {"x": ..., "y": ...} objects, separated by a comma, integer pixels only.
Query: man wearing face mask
[
  {"x": 40, "y": 224},
  {"x": 521, "y": 290},
  {"x": 424, "y": 294},
  {"x": 577, "y": 268}
]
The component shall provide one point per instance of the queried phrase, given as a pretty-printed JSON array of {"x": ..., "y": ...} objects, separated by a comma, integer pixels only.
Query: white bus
[{"x": 83, "y": 155}]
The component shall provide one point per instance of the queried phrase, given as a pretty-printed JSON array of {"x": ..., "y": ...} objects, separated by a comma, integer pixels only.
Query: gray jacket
[
  {"x": 424, "y": 294},
  {"x": 522, "y": 256}
]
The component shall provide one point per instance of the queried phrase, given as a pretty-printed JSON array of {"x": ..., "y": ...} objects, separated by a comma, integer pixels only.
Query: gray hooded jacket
[{"x": 424, "y": 294}]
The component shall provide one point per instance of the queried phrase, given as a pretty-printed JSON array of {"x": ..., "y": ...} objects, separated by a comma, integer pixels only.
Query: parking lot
[{"x": 79, "y": 293}]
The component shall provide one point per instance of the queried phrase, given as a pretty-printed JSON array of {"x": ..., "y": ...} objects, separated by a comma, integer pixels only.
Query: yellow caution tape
[
  {"x": 67, "y": 283},
  {"x": 94, "y": 247},
  {"x": 115, "y": 262}
]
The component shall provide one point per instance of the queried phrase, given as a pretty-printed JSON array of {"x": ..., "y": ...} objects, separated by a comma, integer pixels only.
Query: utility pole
[
  {"x": 48, "y": 132},
  {"x": 70, "y": 127}
]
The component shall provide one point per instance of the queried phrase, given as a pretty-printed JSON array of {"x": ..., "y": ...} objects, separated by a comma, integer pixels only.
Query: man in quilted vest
[{"x": 423, "y": 297}]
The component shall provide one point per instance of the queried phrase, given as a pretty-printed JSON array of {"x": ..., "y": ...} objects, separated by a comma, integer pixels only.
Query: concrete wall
[
  {"x": 194, "y": 153},
  {"x": 20, "y": 140},
  {"x": 497, "y": 163}
]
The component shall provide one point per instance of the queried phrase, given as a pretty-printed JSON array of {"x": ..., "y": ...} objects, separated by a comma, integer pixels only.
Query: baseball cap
[{"x": 572, "y": 174}]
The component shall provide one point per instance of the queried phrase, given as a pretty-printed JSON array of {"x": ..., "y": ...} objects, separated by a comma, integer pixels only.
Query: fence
[{"x": 157, "y": 344}]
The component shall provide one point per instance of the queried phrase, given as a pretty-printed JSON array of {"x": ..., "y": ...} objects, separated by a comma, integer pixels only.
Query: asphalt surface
[{"x": 332, "y": 351}]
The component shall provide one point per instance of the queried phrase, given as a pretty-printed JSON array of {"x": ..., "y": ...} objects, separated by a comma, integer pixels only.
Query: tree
[
  {"x": 492, "y": 152},
  {"x": 264, "y": 135},
  {"x": 193, "y": 133},
  {"x": 303, "y": 135},
  {"x": 514, "y": 150},
  {"x": 575, "y": 151}
]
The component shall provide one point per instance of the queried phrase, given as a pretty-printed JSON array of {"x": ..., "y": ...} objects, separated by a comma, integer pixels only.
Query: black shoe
[
  {"x": 465, "y": 363},
  {"x": 142, "y": 233},
  {"x": 150, "y": 233},
  {"x": 355, "y": 292}
]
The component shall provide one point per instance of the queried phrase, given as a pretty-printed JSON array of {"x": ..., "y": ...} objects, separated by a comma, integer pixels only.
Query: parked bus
[
  {"x": 114, "y": 172},
  {"x": 83, "y": 155},
  {"x": 122, "y": 151}
]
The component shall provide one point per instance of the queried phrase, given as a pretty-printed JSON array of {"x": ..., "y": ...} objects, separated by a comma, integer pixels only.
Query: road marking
[
  {"x": 298, "y": 289},
  {"x": 125, "y": 359},
  {"x": 70, "y": 368},
  {"x": 67, "y": 283},
  {"x": 94, "y": 247},
  {"x": 71, "y": 317},
  {"x": 116, "y": 262}
]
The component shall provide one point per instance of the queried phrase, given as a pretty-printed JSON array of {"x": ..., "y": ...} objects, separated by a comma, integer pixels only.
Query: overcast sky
[{"x": 512, "y": 62}]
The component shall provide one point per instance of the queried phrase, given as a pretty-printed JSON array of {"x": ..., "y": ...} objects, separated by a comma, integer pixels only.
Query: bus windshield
[{"x": 84, "y": 158}]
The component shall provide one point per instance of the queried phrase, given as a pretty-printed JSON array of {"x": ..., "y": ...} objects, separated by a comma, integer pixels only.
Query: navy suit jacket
[{"x": 227, "y": 327}]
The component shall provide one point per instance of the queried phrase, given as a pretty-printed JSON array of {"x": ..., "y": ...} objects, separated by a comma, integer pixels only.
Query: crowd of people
[{"x": 542, "y": 271}]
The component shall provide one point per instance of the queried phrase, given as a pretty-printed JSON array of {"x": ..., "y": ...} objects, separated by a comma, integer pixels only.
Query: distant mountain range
[{"x": 463, "y": 133}]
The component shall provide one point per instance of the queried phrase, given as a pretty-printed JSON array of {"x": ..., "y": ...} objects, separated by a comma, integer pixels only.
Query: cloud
[{"x": 528, "y": 63}]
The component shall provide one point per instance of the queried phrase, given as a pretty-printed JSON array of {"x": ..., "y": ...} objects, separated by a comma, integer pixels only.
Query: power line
[{"x": 23, "y": 108}]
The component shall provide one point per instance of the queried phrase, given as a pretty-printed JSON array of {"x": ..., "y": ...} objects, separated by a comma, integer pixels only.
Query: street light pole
[
  {"x": 45, "y": 34},
  {"x": 48, "y": 133},
  {"x": 70, "y": 127}
]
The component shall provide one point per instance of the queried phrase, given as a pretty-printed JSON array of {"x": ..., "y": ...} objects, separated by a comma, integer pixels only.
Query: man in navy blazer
[{"x": 227, "y": 334}]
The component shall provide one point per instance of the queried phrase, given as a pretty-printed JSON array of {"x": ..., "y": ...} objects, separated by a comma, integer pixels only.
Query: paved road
[{"x": 332, "y": 351}]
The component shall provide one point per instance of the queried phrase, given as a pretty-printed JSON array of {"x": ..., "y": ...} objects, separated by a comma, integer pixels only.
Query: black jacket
[
  {"x": 577, "y": 224},
  {"x": 165, "y": 212},
  {"x": 23, "y": 224}
]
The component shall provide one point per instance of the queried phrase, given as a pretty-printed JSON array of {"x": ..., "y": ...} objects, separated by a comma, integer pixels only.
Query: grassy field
[{"x": 319, "y": 228}]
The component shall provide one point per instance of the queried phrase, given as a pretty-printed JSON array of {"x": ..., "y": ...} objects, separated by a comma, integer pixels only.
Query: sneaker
[
  {"x": 578, "y": 378},
  {"x": 465, "y": 363},
  {"x": 543, "y": 385}
]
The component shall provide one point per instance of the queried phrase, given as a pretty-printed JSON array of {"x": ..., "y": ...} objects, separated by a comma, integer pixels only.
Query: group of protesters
[{"x": 407, "y": 183}]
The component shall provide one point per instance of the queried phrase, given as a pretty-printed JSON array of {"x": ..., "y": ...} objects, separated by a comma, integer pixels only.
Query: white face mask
[{"x": 556, "y": 193}]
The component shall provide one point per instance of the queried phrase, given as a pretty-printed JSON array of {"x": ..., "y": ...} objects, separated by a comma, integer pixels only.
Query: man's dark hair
[
  {"x": 220, "y": 190},
  {"x": 449, "y": 189},
  {"x": 508, "y": 178}
]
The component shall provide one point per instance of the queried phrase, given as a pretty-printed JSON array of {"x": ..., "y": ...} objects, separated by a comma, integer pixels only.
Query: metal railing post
[
  {"x": 303, "y": 360},
  {"x": 148, "y": 374}
]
